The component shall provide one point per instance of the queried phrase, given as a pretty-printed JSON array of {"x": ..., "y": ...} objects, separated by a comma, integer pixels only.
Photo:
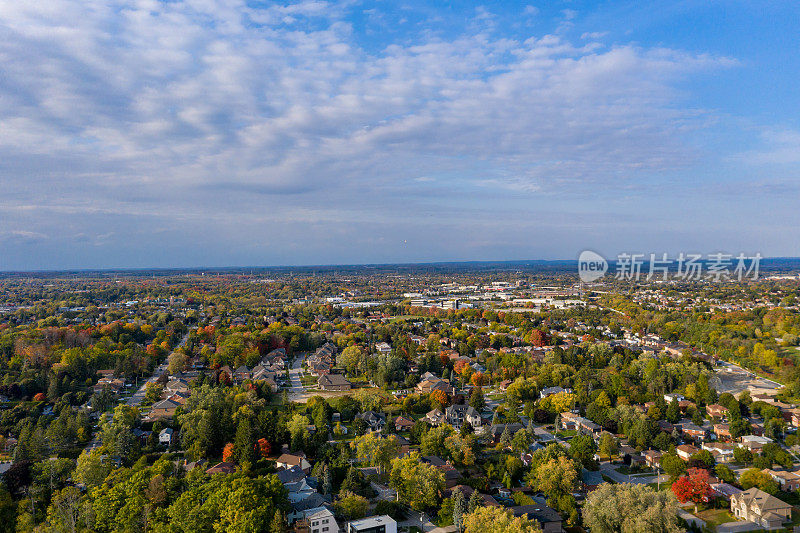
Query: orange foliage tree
[
  {"x": 227, "y": 453},
  {"x": 439, "y": 397}
]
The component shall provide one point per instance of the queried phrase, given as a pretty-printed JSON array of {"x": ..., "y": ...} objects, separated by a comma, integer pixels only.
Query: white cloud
[{"x": 175, "y": 108}]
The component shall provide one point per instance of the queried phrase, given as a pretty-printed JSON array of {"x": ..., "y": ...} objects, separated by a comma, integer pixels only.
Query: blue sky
[{"x": 225, "y": 132}]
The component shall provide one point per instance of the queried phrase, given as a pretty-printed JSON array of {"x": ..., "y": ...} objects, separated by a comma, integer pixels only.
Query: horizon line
[{"x": 320, "y": 265}]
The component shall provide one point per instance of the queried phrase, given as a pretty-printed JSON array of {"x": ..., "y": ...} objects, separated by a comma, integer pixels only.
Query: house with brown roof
[
  {"x": 723, "y": 431},
  {"x": 755, "y": 505},
  {"x": 652, "y": 458},
  {"x": 434, "y": 417},
  {"x": 716, "y": 410},
  {"x": 427, "y": 386},
  {"x": 222, "y": 468},
  {"x": 333, "y": 382},
  {"x": 162, "y": 410},
  {"x": 685, "y": 451},
  {"x": 789, "y": 481},
  {"x": 402, "y": 423},
  {"x": 722, "y": 451},
  {"x": 287, "y": 461}
]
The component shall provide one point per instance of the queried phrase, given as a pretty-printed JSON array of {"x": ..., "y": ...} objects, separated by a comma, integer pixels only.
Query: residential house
[
  {"x": 402, "y": 423},
  {"x": 383, "y": 347},
  {"x": 755, "y": 505},
  {"x": 573, "y": 421},
  {"x": 375, "y": 421},
  {"x": 725, "y": 490},
  {"x": 723, "y": 432},
  {"x": 299, "y": 490},
  {"x": 289, "y": 460},
  {"x": 242, "y": 373},
  {"x": 685, "y": 451},
  {"x": 674, "y": 396},
  {"x": 456, "y": 415},
  {"x": 109, "y": 382},
  {"x": 435, "y": 417},
  {"x": 177, "y": 386},
  {"x": 372, "y": 524},
  {"x": 722, "y": 451},
  {"x": 549, "y": 391},
  {"x": 652, "y": 458},
  {"x": 334, "y": 382},
  {"x": 222, "y": 468},
  {"x": 717, "y": 411},
  {"x": 496, "y": 430},
  {"x": 451, "y": 475},
  {"x": 163, "y": 410},
  {"x": 321, "y": 520},
  {"x": 548, "y": 518},
  {"x": 754, "y": 443},
  {"x": 427, "y": 386},
  {"x": 165, "y": 436},
  {"x": 789, "y": 481},
  {"x": 693, "y": 432}
]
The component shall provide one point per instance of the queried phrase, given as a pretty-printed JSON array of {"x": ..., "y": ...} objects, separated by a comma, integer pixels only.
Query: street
[{"x": 138, "y": 396}]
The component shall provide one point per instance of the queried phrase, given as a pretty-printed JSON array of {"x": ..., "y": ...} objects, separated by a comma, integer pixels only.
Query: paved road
[
  {"x": 420, "y": 520},
  {"x": 608, "y": 470},
  {"x": 138, "y": 396},
  {"x": 297, "y": 392}
]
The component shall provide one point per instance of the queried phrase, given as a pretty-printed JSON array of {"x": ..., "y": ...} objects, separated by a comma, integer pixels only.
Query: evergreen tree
[
  {"x": 278, "y": 524},
  {"x": 459, "y": 509},
  {"x": 327, "y": 481},
  {"x": 243, "y": 444},
  {"x": 474, "y": 501},
  {"x": 673, "y": 411},
  {"x": 505, "y": 437}
]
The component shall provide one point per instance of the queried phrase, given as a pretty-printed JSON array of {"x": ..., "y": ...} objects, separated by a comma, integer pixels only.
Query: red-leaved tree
[
  {"x": 264, "y": 447},
  {"x": 694, "y": 486}
]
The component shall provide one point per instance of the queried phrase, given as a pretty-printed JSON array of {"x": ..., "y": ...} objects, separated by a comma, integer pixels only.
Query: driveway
[{"x": 297, "y": 393}]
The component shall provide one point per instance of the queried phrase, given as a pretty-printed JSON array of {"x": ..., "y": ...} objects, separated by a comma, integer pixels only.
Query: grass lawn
[{"x": 716, "y": 516}]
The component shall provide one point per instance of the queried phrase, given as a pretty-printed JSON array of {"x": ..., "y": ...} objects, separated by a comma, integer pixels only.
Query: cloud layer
[{"x": 122, "y": 120}]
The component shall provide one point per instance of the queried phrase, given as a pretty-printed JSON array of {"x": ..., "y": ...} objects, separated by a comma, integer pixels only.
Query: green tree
[
  {"x": 627, "y": 508},
  {"x": 351, "y": 359},
  {"x": 417, "y": 484},
  {"x": 90, "y": 469},
  {"x": 64, "y": 511},
  {"x": 608, "y": 445},
  {"x": 555, "y": 478},
  {"x": 753, "y": 477},
  {"x": 278, "y": 524},
  {"x": 352, "y": 506},
  {"x": 498, "y": 520},
  {"x": 673, "y": 465},
  {"x": 244, "y": 444},
  {"x": 724, "y": 473},
  {"x": 582, "y": 449},
  {"x": 673, "y": 412}
]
